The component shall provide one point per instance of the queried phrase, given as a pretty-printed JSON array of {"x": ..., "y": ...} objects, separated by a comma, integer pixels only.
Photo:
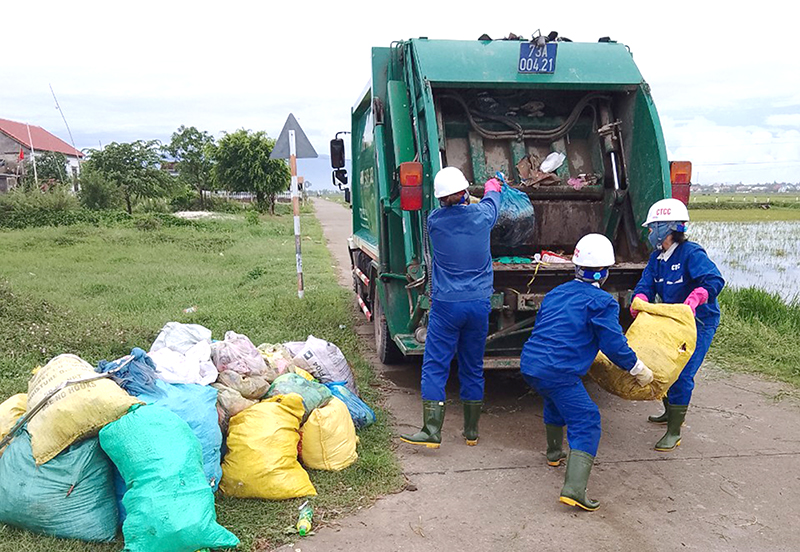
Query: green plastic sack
[
  {"x": 314, "y": 394},
  {"x": 170, "y": 506},
  {"x": 71, "y": 496}
]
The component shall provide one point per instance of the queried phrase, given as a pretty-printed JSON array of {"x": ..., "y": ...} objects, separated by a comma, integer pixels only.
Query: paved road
[{"x": 733, "y": 485}]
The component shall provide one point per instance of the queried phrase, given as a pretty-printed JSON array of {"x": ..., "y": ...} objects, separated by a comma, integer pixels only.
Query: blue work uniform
[
  {"x": 672, "y": 275},
  {"x": 463, "y": 282},
  {"x": 575, "y": 321}
]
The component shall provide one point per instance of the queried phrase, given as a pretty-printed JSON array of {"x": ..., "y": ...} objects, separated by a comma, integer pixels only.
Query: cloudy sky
[{"x": 726, "y": 81}]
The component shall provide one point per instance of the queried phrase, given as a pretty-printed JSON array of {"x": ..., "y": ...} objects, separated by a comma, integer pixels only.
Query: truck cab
[{"x": 486, "y": 106}]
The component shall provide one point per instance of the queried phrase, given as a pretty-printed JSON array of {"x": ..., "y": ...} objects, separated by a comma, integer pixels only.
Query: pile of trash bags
[{"x": 143, "y": 442}]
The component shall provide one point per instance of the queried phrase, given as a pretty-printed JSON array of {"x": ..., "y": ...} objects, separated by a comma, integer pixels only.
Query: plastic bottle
[{"x": 304, "y": 519}]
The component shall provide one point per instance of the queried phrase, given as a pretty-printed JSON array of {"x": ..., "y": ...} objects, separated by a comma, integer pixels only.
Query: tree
[
  {"x": 193, "y": 151},
  {"x": 243, "y": 165},
  {"x": 51, "y": 169},
  {"x": 131, "y": 168}
]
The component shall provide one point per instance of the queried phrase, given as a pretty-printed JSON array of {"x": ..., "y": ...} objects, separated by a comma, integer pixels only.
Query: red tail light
[
  {"x": 680, "y": 172},
  {"x": 411, "y": 186}
]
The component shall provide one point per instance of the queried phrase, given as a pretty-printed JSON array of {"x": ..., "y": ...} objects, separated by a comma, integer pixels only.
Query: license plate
[{"x": 533, "y": 59}]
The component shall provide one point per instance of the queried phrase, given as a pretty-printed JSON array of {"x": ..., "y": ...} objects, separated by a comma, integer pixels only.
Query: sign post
[{"x": 293, "y": 144}]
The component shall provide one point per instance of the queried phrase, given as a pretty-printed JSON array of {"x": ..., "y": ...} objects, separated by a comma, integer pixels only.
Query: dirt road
[{"x": 731, "y": 486}]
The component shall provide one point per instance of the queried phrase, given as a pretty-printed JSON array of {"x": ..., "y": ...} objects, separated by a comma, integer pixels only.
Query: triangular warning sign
[{"x": 304, "y": 149}]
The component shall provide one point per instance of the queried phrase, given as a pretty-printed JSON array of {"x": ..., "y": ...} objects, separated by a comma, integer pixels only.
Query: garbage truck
[{"x": 488, "y": 106}]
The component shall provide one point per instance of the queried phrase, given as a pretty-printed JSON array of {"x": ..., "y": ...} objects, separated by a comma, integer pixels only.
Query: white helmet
[
  {"x": 667, "y": 210},
  {"x": 448, "y": 181},
  {"x": 594, "y": 251}
]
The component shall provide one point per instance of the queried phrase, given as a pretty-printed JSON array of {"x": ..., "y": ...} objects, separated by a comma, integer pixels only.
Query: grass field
[
  {"x": 759, "y": 333},
  {"x": 744, "y": 198},
  {"x": 97, "y": 292}
]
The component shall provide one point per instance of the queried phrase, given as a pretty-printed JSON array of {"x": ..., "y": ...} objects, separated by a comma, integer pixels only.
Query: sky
[{"x": 725, "y": 80}]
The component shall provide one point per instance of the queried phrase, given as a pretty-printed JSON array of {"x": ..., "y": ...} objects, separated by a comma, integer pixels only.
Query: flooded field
[{"x": 759, "y": 254}]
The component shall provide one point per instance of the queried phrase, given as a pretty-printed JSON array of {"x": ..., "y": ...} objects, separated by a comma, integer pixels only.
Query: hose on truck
[{"x": 519, "y": 133}]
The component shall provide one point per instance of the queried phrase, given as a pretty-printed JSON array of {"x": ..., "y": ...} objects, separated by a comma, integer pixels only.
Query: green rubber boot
[
  {"x": 431, "y": 433},
  {"x": 661, "y": 418},
  {"x": 672, "y": 438},
  {"x": 472, "y": 413},
  {"x": 555, "y": 437},
  {"x": 579, "y": 466}
]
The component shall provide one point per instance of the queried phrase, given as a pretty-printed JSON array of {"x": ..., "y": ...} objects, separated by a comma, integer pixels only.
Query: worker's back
[{"x": 462, "y": 260}]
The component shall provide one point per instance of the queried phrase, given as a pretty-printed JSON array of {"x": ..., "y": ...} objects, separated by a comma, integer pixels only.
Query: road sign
[
  {"x": 293, "y": 144},
  {"x": 304, "y": 149}
]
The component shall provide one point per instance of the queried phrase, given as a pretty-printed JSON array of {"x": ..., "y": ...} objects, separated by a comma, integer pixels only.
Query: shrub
[
  {"x": 96, "y": 193},
  {"x": 19, "y": 209},
  {"x": 252, "y": 218}
]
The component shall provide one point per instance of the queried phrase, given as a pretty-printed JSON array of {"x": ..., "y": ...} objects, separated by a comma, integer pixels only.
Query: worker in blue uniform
[
  {"x": 679, "y": 271},
  {"x": 575, "y": 321},
  {"x": 458, "y": 322}
]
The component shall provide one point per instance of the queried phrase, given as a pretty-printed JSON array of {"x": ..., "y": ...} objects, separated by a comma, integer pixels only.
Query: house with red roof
[{"x": 19, "y": 141}]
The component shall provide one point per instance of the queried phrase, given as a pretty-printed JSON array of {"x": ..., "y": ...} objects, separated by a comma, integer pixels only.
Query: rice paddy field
[
  {"x": 763, "y": 254},
  {"x": 758, "y": 252}
]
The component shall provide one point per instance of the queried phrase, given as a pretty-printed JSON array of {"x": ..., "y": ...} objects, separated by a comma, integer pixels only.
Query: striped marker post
[{"x": 296, "y": 210}]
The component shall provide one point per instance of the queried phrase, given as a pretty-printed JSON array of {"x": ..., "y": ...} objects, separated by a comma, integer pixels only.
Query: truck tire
[{"x": 388, "y": 351}]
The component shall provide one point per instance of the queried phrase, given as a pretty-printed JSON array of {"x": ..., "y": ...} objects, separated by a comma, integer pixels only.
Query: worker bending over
[
  {"x": 679, "y": 271},
  {"x": 576, "y": 320},
  {"x": 458, "y": 321}
]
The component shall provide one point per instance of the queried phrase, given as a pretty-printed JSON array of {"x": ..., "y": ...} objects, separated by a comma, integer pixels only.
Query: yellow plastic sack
[
  {"x": 78, "y": 411},
  {"x": 10, "y": 411},
  {"x": 304, "y": 374},
  {"x": 329, "y": 438},
  {"x": 262, "y": 452},
  {"x": 664, "y": 337}
]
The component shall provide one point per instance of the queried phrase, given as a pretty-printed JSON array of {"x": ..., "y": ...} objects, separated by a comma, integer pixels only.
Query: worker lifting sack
[
  {"x": 516, "y": 222},
  {"x": 663, "y": 337}
]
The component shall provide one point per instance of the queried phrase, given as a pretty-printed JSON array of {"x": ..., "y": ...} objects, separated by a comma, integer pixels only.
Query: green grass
[
  {"x": 743, "y": 215},
  {"x": 759, "y": 333},
  {"x": 98, "y": 291},
  {"x": 749, "y": 201}
]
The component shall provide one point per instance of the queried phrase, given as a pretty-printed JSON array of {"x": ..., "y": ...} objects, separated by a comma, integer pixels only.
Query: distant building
[{"x": 19, "y": 140}]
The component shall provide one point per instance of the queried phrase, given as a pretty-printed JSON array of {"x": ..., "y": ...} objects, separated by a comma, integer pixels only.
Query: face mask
[
  {"x": 592, "y": 276},
  {"x": 464, "y": 198},
  {"x": 658, "y": 233}
]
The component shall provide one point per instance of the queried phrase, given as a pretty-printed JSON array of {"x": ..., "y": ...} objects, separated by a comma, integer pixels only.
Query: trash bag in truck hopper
[
  {"x": 516, "y": 222},
  {"x": 663, "y": 336}
]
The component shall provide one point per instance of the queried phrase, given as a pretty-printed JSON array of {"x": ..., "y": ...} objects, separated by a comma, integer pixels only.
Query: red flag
[{"x": 21, "y": 154}]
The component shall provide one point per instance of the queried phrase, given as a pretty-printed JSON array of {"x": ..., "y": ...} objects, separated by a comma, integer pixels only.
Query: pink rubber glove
[
  {"x": 492, "y": 185},
  {"x": 641, "y": 296},
  {"x": 698, "y": 296}
]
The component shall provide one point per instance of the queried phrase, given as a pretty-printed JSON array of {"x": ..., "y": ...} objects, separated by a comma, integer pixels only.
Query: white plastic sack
[
  {"x": 180, "y": 337},
  {"x": 552, "y": 162},
  {"x": 325, "y": 361},
  {"x": 182, "y": 354},
  {"x": 238, "y": 354}
]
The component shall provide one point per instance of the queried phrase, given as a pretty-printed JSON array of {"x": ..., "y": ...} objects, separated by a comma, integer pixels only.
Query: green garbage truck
[{"x": 498, "y": 105}]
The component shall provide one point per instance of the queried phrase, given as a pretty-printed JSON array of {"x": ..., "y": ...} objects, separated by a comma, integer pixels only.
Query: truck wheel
[{"x": 388, "y": 351}]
